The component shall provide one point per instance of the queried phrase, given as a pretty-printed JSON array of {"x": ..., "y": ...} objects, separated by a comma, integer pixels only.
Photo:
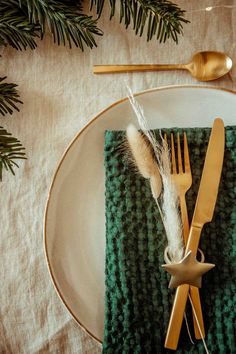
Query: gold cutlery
[
  {"x": 203, "y": 213},
  {"x": 204, "y": 66},
  {"x": 182, "y": 178}
]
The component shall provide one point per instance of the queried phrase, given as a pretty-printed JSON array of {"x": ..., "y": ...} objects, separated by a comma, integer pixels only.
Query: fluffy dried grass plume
[{"x": 143, "y": 156}]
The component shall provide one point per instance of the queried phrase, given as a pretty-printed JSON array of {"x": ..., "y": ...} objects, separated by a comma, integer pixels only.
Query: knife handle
[
  {"x": 176, "y": 317},
  {"x": 181, "y": 296},
  {"x": 193, "y": 240}
]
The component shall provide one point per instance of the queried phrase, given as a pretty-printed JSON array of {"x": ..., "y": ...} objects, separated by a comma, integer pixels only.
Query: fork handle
[
  {"x": 194, "y": 292},
  {"x": 184, "y": 217},
  {"x": 177, "y": 315},
  {"x": 195, "y": 297},
  {"x": 181, "y": 297}
]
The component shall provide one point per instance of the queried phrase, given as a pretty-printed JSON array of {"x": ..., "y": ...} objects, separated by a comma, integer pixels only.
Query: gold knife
[{"x": 203, "y": 213}]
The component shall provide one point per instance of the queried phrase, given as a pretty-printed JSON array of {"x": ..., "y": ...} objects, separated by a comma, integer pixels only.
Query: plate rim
[{"x": 68, "y": 147}]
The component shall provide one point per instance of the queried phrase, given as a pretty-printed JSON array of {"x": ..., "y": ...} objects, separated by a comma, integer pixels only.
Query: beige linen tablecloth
[{"x": 60, "y": 95}]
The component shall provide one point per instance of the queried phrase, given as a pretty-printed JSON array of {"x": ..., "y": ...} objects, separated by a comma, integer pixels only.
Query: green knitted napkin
[{"x": 137, "y": 301}]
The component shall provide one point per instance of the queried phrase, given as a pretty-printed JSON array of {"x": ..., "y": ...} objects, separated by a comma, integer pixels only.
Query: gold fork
[{"x": 182, "y": 178}]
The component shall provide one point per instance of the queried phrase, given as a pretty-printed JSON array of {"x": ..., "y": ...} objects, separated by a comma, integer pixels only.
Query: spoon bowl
[{"x": 207, "y": 66}]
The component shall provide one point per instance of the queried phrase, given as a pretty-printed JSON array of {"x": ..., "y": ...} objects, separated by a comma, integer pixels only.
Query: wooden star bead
[{"x": 187, "y": 271}]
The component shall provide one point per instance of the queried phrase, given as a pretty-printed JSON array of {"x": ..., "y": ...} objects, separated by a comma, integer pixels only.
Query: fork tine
[
  {"x": 186, "y": 155},
  {"x": 180, "y": 165},
  {"x": 173, "y": 160},
  {"x": 165, "y": 138}
]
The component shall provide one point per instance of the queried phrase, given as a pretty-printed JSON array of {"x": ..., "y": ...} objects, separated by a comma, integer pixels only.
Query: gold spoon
[{"x": 204, "y": 66}]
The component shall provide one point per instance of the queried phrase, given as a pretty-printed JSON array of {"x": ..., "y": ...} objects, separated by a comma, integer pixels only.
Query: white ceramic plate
[{"x": 75, "y": 213}]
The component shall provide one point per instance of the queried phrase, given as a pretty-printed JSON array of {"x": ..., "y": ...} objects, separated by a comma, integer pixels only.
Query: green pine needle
[
  {"x": 162, "y": 18},
  {"x": 21, "y": 21},
  {"x": 64, "y": 20},
  {"x": 10, "y": 147},
  {"x": 15, "y": 27},
  {"x": 10, "y": 150},
  {"x": 8, "y": 97}
]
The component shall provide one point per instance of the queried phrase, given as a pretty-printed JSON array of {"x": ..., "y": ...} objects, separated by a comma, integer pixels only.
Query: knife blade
[
  {"x": 203, "y": 213},
  {"x": 209, "y": 185}
]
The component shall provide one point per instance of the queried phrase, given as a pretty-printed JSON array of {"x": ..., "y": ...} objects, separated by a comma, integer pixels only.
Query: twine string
[{"x": 199, "y": 328}]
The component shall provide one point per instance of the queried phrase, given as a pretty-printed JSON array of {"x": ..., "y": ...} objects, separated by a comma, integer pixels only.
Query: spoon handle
[{"x": 106, "y": 69}]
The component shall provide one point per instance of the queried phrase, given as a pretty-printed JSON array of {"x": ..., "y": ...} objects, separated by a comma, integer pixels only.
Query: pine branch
[
  {"x": 65, "y": 21},
  {"x": 10, "y": 150},
  {"x": 162, "y": 18},
  {"x": 15, "y": 27},
  {"x": 8, "y": 97}
]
